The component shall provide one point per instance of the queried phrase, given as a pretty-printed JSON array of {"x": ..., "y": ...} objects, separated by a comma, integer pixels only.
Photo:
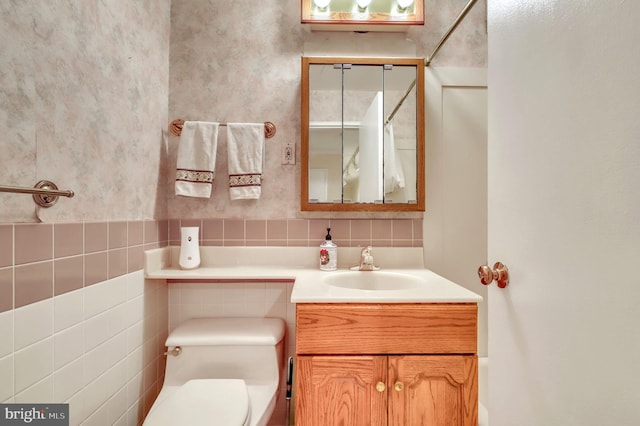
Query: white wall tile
[
  {"x": 6, "y": 331},
  {"x": 135, "y": 363},
  {"x": 133, "y": 388},
  {"x": 134, "y": 414},
  {"x": 68, "y": 309},
  {"x": 253, "y": 307},
  {"x": 77, "y": 408},
  {"x": 39, "y": 391},
  {"x": 110, "y": 411},
  {"x": 105, "y": 356},
  {"x": 213, "y": 310},
  {"x": 135, "y": 336},
  {"x": 6, "y": 377},
  {"x": 117, "y": 319},
  {"x": 135, "y": 284},
  {"x": 135, "y": 310},
  {"x": 150, "y": 326},
  {"x": 149, "y": 374},
  {"x": 33, "y": 364},
  {"x": 150, "y": 351},
  {"x": 118, "y": 287},
  {"x": 122, "y": 421},
  {"x": 117, "y": 406},
  {"x": 67, "y": 346},
  {"x": 212, "y": 294},
  {"x": 174, "y": 293},
  {"x": 68, "y": 380},
  {"x": 104, "y": 387},
  {"x": 234, "y": 295},
  {"x": 191, "y": 294},
  {"x": 106, "y": 360},
  {"x": 96, "y": 331},
  {"x": 33, "y": 323},
  {"x": 134, "y": 401},
  {"x": 174, "y": 316},
  {"x": 98, "y": 298}
]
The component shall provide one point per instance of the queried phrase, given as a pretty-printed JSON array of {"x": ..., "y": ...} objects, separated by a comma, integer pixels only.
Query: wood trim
[{"x": 445, "y": 328}]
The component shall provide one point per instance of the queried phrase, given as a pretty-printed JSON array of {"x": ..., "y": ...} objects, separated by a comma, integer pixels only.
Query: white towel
[
  {"x": 393, "y": 173},
  {"x": 195, "y": 169},
  {"x": 245, "y": 147}
]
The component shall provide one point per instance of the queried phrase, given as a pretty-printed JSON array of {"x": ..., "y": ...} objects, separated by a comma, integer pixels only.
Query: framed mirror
[{"x": 362, "y": 134}]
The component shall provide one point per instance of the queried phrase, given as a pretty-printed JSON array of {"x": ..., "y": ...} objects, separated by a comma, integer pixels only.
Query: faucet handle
[
  {"x": 367, "y": 258},
  {"x": 366, "y": 261},
  {"x": 366, "y": 249}
]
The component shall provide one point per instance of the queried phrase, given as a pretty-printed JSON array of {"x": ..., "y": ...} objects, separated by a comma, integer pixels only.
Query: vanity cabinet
[{"x": 386, "y": 364}]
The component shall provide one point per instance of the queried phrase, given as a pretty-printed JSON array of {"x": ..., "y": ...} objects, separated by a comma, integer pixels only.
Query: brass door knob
[
  {"x": 380, "y": 387},
  {"x": 500, "y": 274},
  {"x": 398, "y": 386}
]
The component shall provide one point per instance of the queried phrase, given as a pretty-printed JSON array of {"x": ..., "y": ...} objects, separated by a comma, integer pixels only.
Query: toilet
[{"x": 221, "y": 371}]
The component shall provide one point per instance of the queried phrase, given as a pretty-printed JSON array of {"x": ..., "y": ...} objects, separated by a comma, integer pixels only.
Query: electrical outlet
[{"x": 288, "y": 153}]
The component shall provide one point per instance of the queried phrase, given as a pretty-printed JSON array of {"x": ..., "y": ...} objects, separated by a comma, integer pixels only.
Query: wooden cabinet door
[
  {"x": 341, "y": 390},
  {"x": 433, "y": 390}
]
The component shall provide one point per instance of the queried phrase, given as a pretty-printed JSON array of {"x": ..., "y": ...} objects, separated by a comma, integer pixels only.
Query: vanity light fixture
[
  {"x": 403, "y": 5},
  {"x": 322, "y": 4},
  {"x": 362, "y": 15},
  {"x": 363, "y": 4}
]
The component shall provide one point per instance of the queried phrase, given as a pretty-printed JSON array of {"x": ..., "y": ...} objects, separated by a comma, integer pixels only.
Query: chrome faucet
[{"x": 366, "y": 260}]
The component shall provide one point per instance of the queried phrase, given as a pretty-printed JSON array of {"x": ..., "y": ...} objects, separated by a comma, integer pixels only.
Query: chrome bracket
[{"x": 45, "y": 200}]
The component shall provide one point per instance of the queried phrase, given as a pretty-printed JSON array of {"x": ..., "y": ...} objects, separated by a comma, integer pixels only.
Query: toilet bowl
[{"x": 221, "y": 371}]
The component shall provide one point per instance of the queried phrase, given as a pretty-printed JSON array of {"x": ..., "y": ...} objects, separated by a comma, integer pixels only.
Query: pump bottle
[{"x": 328, "y": 254}]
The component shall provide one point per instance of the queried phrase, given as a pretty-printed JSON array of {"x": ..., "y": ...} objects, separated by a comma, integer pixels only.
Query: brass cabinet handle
[
  {"x": 398, "y": 386},
  {"x": 380, "y": 387}
]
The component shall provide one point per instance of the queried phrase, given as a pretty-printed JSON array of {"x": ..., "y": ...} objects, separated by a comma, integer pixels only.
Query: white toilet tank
[{"x": 226, "y": 348}]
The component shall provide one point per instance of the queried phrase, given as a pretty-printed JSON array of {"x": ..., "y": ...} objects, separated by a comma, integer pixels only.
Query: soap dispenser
[{"x": 328, "y": 253}]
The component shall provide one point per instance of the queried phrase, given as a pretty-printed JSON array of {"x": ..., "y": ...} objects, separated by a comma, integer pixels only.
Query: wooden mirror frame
[{"x": 419, "y": 205}]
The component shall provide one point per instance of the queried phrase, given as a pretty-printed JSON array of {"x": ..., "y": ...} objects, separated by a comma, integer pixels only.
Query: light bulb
[
  {"x": 404, "y": 4},
  {"x": 322, "y": 4},
  {"x": 363, "y": 4}
]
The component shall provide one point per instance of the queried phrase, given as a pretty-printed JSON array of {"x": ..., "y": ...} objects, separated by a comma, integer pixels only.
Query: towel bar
[
  {"x": 45, "y": 193},
  {"x": 176, "y": 128}
]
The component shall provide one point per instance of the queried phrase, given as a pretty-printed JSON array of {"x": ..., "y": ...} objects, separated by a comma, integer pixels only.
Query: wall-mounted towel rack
[
  {"x": 176, "y": 128},
  {"x": 45, "y": 193}
]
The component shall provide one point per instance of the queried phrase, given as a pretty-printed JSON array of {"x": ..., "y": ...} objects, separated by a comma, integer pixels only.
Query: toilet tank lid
[{"x": 227, "y": 332}]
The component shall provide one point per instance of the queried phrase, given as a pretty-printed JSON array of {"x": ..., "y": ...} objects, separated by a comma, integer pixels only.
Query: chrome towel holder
[
  {"x": 176, "y": 128},
  {"x": 45, "y": 193}
]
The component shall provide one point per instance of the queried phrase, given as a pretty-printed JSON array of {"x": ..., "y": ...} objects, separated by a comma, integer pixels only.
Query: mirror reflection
[{"x": 364, "y": 132}]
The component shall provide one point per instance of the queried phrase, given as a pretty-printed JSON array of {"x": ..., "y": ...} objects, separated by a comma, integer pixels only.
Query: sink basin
[{"x": 373, "y": 280}]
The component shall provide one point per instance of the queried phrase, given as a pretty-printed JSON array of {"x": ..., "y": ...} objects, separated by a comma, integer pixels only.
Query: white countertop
[
  {"x": 309, "y": 288},
  {"x": 299, "y": 264}
]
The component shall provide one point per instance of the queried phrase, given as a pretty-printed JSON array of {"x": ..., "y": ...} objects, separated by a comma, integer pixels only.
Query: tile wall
[
  {"x": 302, "y": 232},
  {"x": 78, "y": 321}
]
